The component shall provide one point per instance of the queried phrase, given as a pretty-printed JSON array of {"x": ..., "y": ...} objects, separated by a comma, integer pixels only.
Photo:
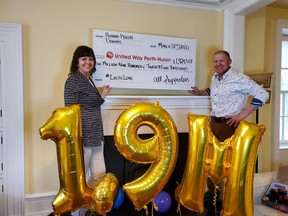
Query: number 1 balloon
[{"x": 64, "y": 128}]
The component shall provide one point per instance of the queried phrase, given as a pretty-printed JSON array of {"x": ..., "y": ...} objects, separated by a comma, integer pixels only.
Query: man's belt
[{"x": 218, "y": 119}]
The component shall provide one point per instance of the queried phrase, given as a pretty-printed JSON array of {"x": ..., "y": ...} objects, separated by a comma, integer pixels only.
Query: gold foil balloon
[
  {"x": 232, "y": 161},
  {"x": 161, "y": 150},
  {"x": 238, "y": 193},
  {"x": 64, "y": 128},
  {"x": 105, "y": 192},
  {"x": 190, "y": 193}
]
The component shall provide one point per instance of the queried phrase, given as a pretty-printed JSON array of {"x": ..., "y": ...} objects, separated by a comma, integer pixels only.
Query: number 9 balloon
[{"x": 161, "y": 150}]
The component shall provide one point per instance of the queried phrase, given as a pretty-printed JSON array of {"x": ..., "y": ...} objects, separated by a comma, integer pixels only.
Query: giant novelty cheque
[{"x": 128, "y": 60}]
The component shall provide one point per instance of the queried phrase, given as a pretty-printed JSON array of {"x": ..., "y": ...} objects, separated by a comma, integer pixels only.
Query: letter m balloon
[{"x": 231, "y": 161}]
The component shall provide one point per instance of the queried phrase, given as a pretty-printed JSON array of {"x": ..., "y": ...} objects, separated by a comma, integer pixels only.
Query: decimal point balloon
[{"x": 105, "y": 193}]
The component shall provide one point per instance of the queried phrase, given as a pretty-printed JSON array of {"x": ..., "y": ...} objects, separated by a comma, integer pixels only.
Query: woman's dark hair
[{"x": 78, "y": 53}]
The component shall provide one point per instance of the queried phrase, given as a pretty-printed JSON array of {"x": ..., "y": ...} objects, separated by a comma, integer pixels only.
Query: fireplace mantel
[{"x": 177, "y": 106}]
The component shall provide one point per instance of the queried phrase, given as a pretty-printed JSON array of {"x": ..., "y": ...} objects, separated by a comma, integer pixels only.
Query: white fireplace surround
[{"x": 177, "y": 106}]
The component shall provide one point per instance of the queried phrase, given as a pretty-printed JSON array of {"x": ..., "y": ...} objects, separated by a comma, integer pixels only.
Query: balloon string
[
  {"x": 216, "y": 189},
  {"x": 146, "y": 210},
  {"x": 88, "y": 213},
  {"x": 179, "y": 209},
  {"x": 152, "y": 208}
]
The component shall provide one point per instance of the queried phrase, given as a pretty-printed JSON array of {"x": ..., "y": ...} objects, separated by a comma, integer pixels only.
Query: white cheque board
[{"x": 128, "y": 60}]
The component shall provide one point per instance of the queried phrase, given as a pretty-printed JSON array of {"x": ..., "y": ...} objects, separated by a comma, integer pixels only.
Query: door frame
[
  {"x": 13, "y": 117},
  {"x": 280, "y": 24}
]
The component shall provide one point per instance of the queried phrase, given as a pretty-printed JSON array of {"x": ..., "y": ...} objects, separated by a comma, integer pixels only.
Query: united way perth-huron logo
[{"x": 109, "y": 55}]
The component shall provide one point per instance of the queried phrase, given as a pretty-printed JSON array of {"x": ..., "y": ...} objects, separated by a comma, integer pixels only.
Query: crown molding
[{"x": 216, "y": 5}]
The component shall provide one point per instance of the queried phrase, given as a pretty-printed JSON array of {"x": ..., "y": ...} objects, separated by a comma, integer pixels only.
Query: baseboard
[{"x": 39, "y": 204}]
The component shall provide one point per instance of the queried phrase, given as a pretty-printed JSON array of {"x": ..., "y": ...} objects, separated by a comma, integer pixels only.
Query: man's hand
[
  {"x": 234, "y": 120},
  {"x": 196, "y": 91}
]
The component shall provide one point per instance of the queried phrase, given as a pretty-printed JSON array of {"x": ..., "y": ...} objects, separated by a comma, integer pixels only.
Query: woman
[{"x": 80, "y": 89}]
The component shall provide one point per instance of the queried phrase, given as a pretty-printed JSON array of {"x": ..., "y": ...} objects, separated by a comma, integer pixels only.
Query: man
[{"x": 229, "y": 93}]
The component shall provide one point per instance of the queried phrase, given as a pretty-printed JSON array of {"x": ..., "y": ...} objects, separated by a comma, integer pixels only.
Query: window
[{"x": 284, "y": 95}]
